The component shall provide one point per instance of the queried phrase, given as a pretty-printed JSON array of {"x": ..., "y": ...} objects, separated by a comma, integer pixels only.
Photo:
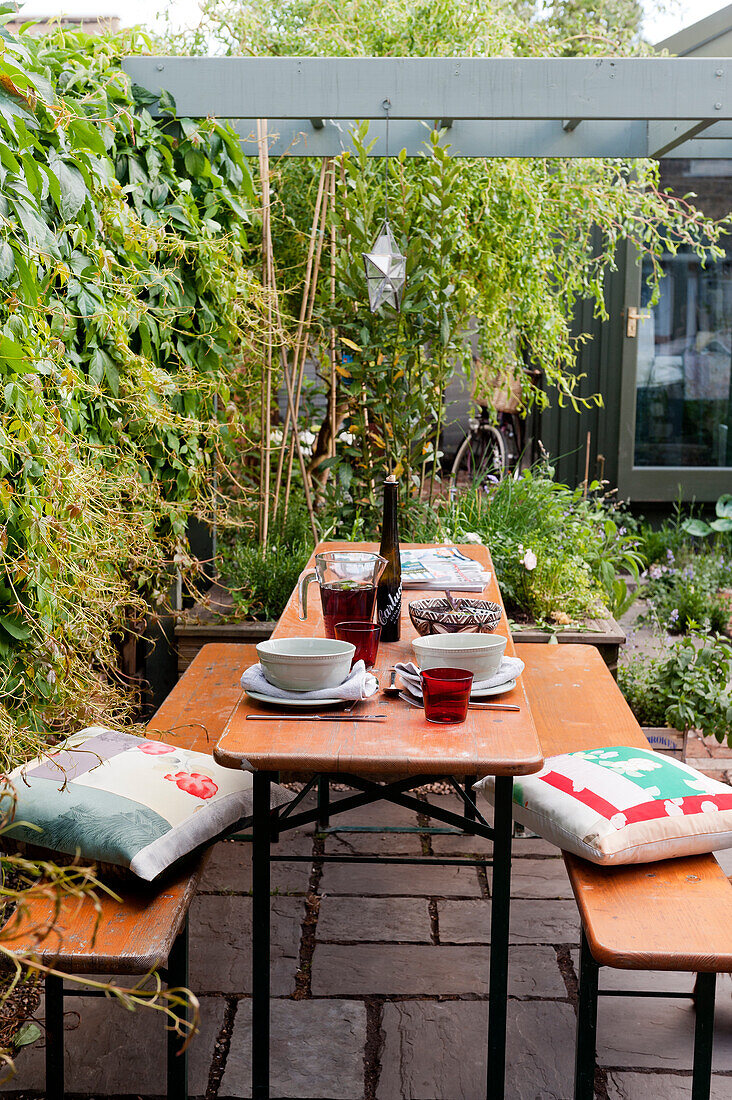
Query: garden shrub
[
  {"x": 684, "y": 595},
  {"x": 127, "y": 301}
]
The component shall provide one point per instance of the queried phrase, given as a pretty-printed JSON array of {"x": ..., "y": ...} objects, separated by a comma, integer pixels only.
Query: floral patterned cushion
[
  {"x": 122, "y": 800},
  {"x": 622, "y": 805}
]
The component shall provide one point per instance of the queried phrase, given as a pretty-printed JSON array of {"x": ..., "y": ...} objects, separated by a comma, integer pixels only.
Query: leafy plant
[
  {"x": 127, "y": 297},
  {"x": 699, "y": 528},
  {"x": 686, "y": 689},
  {"x": 684, "y": 596}
]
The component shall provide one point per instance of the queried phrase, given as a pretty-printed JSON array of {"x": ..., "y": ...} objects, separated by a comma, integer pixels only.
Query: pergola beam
[
  {"x": 556, "y": 88},
  {"x": 664, "y": 137}
]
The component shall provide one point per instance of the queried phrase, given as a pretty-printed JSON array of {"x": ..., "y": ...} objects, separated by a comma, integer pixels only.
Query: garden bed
[
  {"x": 212, "y": 620},
  {"x": 606, "y": 635}
]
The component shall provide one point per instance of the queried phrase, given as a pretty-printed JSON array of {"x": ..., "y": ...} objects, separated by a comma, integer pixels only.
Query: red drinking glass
[
  {"x": 446, "y": 693},
  {"x": 365, "y": 636}
]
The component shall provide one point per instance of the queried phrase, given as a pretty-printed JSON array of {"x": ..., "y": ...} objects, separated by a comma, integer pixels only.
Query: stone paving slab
[
  {"x": 382, "y": 969},
  {"x": 408, "y": 844},
  {"x": 532, "y": 921},
  {"x": 347, "y": 920},
  {"x": 316, "y": 1050},
  {"x": 637, "y": 1033},
  {"x": 376, "y": 813},
  {"x": 437, "y": 1051},
  {"x": 413, "y": 881},
  {"x": 111, "y": 1051},
  {"x": 539, "y": 878},
  {"x": 221, "y": 943},
  {"x": 661, "y": 1086},
  {"x": 229, "y": 869}
]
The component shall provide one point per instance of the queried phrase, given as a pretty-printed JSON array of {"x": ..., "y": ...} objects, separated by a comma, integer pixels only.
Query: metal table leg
[
  {"x": 260, "y": 934},
  {"x": 500, "y": 913},
  {"x": 55, "y": 1089},
  {"x": 701, "y": 1081},
  {"x": 177, "y": 1063}
]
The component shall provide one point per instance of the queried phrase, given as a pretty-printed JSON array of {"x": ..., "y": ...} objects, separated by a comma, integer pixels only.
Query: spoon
[{"x": 391, "y": 688}]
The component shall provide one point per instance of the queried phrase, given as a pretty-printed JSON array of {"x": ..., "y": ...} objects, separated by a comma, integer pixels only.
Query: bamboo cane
[
  {"x": 333, "y": 372},
  {"x": 300, "y": 331},
  {"x": 304, "y": 343},
  {"x": 266, "y": 419}
]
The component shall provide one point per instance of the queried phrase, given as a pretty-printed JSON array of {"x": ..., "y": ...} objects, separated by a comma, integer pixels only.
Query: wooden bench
[
  {"x": 671, "y": 915},
  {"x": 148, "y": 928}
]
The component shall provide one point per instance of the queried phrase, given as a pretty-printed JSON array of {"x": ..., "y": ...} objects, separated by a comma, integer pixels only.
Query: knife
[{"x": 316, "y": 718}]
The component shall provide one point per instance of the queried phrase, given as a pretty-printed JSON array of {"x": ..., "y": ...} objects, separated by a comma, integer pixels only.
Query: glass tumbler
[
  {"x": 446, "y": 693},
  {"x": 365, "y": 636}
]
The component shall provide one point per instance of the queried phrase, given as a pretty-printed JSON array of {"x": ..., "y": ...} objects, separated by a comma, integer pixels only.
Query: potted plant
[{"x": 685, "y": 689}]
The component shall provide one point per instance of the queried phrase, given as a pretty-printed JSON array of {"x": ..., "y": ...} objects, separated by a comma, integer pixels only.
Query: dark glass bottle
[{"x": 389, "y": 591}]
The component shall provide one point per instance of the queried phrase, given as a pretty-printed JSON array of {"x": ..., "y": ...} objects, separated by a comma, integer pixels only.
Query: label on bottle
[{"x": 391, "y": 609}]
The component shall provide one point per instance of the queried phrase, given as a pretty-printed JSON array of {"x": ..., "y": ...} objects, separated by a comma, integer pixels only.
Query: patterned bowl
[{"x": 435, "y": 616}]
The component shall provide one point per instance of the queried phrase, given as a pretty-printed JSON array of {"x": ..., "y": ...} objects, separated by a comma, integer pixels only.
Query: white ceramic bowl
[
  {"x": 305, "y": 664},
  {"x": 480, "y": 654}
]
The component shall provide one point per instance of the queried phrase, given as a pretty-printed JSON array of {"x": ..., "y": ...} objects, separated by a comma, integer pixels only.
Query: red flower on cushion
[
  {"x": 200, "y": 786},
  {"x": 156, "y": 748}
]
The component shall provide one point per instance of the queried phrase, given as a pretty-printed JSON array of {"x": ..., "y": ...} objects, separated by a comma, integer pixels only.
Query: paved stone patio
[{"x": 380, "y": 984}]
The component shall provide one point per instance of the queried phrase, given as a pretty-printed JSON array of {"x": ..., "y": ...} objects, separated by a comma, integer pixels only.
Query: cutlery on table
[
  {"x": 316, "y": 717},
  {"x": 391, "y": 688},
  {"x": 471, "y": 706}
]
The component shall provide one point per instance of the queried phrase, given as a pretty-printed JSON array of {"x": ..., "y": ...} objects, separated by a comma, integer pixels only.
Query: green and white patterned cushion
[
  {"x": 122, "y": 800},
  {"x": 622, "y": 805}
]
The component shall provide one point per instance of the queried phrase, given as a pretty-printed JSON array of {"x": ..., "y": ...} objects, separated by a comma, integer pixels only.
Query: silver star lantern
[{"x": 386, "y": 271}]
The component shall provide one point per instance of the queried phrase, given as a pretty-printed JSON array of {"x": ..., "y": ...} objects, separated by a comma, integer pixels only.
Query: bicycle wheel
[{"x": 482, "y": 457}]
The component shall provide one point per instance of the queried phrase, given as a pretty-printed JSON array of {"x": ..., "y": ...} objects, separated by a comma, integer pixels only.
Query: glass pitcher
[{"x": 348, "y": 580}]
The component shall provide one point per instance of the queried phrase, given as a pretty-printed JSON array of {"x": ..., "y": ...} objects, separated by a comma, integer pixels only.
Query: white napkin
[
  {"x": 359, "y": 684},
  {"x": 509, "y": 669}
]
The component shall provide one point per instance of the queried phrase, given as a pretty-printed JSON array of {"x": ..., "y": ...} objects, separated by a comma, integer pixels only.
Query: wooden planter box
[
  {"x": 211, "y": 621},
  {"x": 667, "y": 740},
  {"x": 605, "y": 634}
]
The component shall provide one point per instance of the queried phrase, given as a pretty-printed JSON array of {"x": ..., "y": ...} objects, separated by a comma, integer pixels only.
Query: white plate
[
  {"x": 272, "y": 702},
  {"x": 498, "y": 690}
]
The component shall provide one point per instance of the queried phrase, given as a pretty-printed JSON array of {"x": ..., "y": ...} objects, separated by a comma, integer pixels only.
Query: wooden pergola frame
[{"x": 488, "y": 107}]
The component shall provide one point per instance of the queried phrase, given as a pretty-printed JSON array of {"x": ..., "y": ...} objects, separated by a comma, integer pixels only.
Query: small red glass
[
  {"x": 446, "y": 693},
  {"x": 365, "y": 636}
]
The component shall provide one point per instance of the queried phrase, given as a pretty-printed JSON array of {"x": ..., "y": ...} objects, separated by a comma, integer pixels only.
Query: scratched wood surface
[
  {"x": 498, "y": 743},
  {"x": 671, "y": 915},
  {"x": 135, "y": 934}
]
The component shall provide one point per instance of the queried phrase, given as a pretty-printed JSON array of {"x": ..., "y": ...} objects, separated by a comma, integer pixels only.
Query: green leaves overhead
[{"x": 126, "y": 299}]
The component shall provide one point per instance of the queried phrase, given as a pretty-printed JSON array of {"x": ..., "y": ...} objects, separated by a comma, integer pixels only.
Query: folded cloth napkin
[
  {"x": 509, "y": 669},
  {"x": 359, "y": 684}
]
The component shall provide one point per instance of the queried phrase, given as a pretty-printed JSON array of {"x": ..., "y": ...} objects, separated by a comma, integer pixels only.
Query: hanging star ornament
[{"x": 386, "y": 271}]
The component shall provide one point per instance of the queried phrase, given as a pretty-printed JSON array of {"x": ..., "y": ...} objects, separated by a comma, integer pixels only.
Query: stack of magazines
[{"x": 442, "y": 568}]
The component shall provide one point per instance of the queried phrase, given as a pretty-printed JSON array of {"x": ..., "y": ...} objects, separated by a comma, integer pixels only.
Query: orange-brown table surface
[{"x": 488, "y": 743}]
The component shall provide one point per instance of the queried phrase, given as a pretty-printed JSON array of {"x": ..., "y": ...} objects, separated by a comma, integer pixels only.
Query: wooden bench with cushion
[
  {"x": 147, "y": 928},
  {"x": 672, "y": 915}
]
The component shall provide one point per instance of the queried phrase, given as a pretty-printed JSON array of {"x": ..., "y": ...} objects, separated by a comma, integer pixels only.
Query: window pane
[{"x": 684, "y": 378}]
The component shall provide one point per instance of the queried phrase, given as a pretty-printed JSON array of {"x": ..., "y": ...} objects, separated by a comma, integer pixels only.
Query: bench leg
[
  {"x": 500, "y": 915},
  {"x": 703, "y": 1036},
  {"x": 323, "y": 801},
  {"x": 585, "y": 1052},
  {"x": 55, "y": 1089},
  {"x": 178, "y": 978},
  {"x": 260, "y": 934}
]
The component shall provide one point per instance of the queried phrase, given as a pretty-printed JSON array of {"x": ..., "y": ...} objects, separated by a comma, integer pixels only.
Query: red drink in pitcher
[{"x": 349, "y": 603}]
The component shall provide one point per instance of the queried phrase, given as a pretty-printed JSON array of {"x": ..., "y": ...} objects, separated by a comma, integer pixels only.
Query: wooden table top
[{"x": 488, "y": 743}]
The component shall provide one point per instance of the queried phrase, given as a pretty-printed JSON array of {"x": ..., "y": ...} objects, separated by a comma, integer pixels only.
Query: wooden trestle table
[{"x": 384, "y": 761}]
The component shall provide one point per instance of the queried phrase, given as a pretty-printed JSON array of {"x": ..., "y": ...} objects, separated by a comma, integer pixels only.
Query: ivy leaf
[
  {"x": 86, "y": 135},
  {"x": 15, "y": 627},
  {"x": 195, "y": 162},
  {"x": 7, "y": 261},
  {"x": 72, "y": 187}
]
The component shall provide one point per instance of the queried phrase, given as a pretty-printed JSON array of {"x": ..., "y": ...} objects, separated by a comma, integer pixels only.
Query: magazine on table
[{"x": 441, "y": 568}]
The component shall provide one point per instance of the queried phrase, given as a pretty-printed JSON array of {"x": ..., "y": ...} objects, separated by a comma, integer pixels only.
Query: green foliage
[
  {"x": 262, "y": 580},
  {"x": 699, "y": 528},
  {"x": 126, "y": 297},
  {"x": 686, "y": 689},
  {"x": 514, "y": 245},
  {"x": 557, "y": 553},
  {"x": 684, "y": 595}
]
